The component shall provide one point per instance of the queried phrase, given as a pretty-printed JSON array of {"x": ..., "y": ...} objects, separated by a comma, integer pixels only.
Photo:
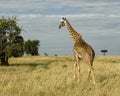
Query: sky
[{"x": 98, "y": 21}]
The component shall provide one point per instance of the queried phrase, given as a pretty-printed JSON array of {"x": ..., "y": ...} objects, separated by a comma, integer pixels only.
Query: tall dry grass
[{"x": 53, "y": 76}]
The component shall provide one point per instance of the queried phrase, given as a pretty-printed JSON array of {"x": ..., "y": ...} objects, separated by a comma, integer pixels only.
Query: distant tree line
[{"x": 12, "y": 44}]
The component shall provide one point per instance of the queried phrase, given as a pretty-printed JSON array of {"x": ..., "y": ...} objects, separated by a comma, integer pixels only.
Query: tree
[
  {"x": 31, "y": 47},
  {"x": 46, "y": 54},
  {"x": 104, "y": 51},
  {"x": 11, "y": 42}
]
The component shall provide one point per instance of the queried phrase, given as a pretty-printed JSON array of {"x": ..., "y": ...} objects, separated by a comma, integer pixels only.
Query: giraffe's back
[{"x": 84, "y": 50}]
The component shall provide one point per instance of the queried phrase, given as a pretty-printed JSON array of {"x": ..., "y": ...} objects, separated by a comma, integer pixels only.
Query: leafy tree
[
  {"x": 31, "y": 47},
  {"x": 11, "y": 42}
]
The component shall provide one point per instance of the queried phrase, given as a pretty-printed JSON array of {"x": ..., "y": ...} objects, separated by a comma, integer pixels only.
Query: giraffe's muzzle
[{"x": 62, "y": 24}]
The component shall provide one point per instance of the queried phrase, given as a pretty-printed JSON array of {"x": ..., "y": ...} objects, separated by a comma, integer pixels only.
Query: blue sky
[
  {"x": 59, "y": 7},
  {"x": 97, "y": 20}
]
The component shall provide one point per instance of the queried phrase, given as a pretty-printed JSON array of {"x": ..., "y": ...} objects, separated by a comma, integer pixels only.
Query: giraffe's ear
[{"x": 63, "y": 18}]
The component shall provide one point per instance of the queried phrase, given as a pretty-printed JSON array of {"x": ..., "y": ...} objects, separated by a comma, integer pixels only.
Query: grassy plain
[{"x": 53, "y": 76}]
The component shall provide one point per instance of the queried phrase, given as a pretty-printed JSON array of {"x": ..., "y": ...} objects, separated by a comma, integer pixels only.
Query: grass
[{"x": 53, "y": 76}]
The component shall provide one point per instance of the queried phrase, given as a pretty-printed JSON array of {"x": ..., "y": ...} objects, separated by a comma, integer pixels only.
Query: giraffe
[{"x": 80, "y": 50}]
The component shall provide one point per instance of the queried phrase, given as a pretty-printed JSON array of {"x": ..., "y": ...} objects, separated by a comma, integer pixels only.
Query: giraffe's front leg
[
  {"x": 75, "y": 65},
  {"x": 78, "y": 70},
  {"x": 78, "y": 73}
]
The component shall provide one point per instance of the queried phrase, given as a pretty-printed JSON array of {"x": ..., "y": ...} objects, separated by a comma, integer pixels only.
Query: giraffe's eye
[{"x": 62, "y": 24}]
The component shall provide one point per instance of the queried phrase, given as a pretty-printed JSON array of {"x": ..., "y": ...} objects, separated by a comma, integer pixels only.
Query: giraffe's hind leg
[{"x": 91, "y": 74}]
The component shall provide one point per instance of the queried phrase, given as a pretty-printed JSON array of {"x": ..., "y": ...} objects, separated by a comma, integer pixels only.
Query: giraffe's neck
[{"x": 74, "y": 35}]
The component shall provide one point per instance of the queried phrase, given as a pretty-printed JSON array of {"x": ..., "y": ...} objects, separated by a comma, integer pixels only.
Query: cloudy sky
[{"x": 98, "y": 21}]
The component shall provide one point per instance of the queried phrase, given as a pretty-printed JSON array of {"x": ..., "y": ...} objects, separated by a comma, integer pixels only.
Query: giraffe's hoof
[
  {"x": 74, "y": 77},
  {"x": 94, "y": 82}
]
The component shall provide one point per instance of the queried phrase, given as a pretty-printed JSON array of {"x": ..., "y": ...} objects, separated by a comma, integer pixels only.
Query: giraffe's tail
[{"x": 92, "y": 57}]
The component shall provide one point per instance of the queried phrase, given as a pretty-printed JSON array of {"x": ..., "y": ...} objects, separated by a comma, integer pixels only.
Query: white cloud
[
  {"x": 72, "y": 15},
  {"x": 56, "y": 6}
]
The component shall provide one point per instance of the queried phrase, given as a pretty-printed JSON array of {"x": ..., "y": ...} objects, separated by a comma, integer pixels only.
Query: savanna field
[{"x": 53, "y": 76}]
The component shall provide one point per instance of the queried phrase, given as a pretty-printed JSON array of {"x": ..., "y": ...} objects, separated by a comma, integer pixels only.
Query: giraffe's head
[{"x": 62, "y": 22}]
